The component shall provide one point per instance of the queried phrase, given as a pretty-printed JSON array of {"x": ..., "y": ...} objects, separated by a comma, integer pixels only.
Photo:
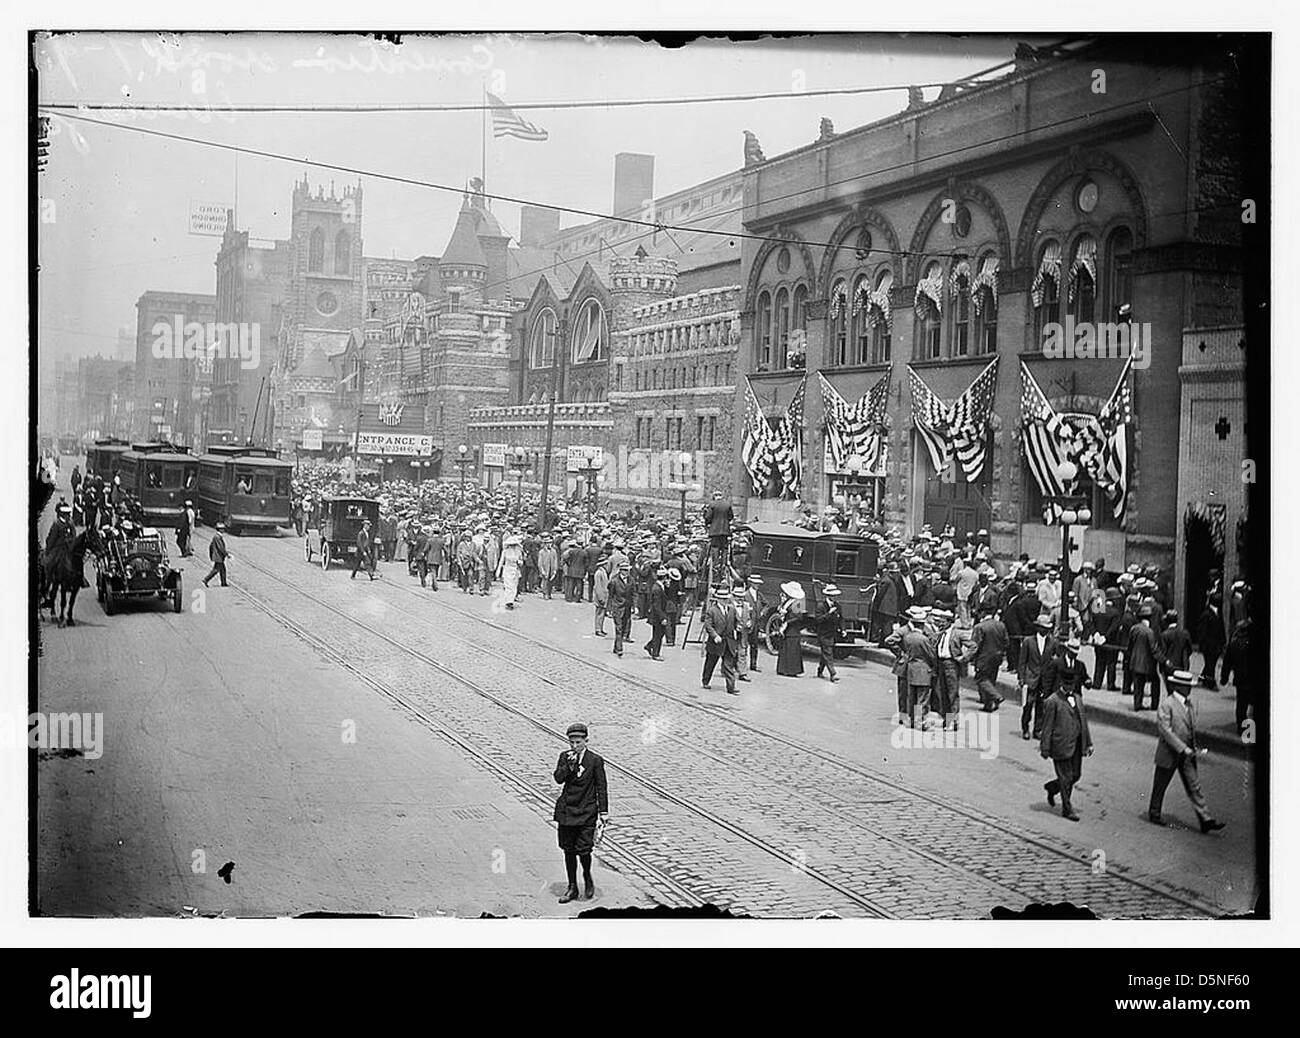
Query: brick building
[
  {"x": 166, "y": 386},
  {"x": 956, "y": 230},
  {"x": 105, "y": 397}
]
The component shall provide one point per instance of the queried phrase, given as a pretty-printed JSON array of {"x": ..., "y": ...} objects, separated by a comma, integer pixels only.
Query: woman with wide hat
[{"x": 790, "y": 619}]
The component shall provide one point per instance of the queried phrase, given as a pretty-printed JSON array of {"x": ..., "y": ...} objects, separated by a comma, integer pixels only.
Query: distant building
[
  {"x": 105, "y": 390},
  {"x": 170, "y": 326}
]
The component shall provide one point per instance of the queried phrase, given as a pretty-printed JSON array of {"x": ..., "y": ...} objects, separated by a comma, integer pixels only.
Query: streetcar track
[
  {"x": 688, "y": 804},
  {"x": 1075, "y": 857},
  {"x": 955, "y": 807}
]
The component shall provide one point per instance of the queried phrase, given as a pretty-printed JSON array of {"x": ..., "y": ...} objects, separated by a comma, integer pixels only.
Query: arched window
[
  {"x": 839, "y": 311},
  {"x": 1082, "y": 280},
  {"x": 929, "y": 296},
  {"x": 541, "y": 349},
  {"x": 342, "y": 253},
  {"x": 881, "y": 319},
  {"x": 599, "y": 394},
  {"x": 316, "y": 250},
  {"x": 764, "y": 332},
  {"x": 591, "y": 334},
  {"x": 960, "y": 283},
  {"x": 861, "y": 328},
  {"x": 984, "y": 301},
  {"x": 782, "y": 329},
  {"x": 800, "y": 316},
  {"x": 1119, "y": 273},
  {"x": 1045, "y": 289}
]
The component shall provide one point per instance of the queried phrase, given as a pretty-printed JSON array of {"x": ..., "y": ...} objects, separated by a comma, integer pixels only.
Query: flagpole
[{"x": 483, "y": 140}]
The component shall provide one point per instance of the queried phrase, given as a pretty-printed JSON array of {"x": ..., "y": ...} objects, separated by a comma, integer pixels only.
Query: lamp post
[
  {"x": 518, "y": 472},
  {"x": 1074, "y": 510},
  {"x": 462, "y": 462},
  {"x": 589, "y": 471}
]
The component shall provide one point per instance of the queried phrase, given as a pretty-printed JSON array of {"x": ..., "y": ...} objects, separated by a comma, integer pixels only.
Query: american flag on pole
[
  {"x": 506, "y": 122},
  {"x": 968, "y": 419},
  {"x": 1039, "y": 426},
  {"x": 789, "y": 452},
  {"x": 1115, "y": 419},
  {"x": 758, "y": 448},
  {"x": 855, "y": 430},
  {"x": 931, "y": 420}
]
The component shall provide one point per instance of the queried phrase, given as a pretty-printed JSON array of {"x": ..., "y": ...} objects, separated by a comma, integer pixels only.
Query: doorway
[{"x": 1203, "y": 529}]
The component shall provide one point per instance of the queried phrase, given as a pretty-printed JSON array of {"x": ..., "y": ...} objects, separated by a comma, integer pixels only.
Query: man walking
[
  {"x": 218, "y": 553},
  {"x": 185, "y": 529},
  {"x": 1035, "y": 652},
  {"x": 435, "y": 547},
  {"x": 582, "y": 804},
  {"x": 748, "y": 609},
  {"x": 1145, "y": 654},
  {"x": 600, "y": 593},
  {"x": 987, "y": 650},
  {"x": 1177, "y": 751},
  {"x": 547, "y": 564},
  {"x": 657, "y": 615},
  {"x": 720, "y": 639},
  {"x": 1210, "y": 639},
  {"x": 1065, "y": 737},
  {"x": 365, "y": 555},
  {"x": 619, "y": 604},
  {"x": 829, "y": 624}
]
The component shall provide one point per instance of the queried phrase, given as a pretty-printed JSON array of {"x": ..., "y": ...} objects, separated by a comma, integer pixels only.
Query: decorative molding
[
  {"x": 859, "y": 217},
  {"x": 781, "y": 237},
  {"x": 1076, "y": 163},
  {"x": 961, "y": 191}
]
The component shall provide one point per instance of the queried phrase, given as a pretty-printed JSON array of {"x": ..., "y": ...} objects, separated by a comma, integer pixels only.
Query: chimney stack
[
  {"x": 634, "y": 182},
  {"x": 537, "y": 225}
]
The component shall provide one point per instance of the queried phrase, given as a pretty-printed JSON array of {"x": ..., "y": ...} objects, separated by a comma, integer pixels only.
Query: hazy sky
[{"x": 121, "y": 199}]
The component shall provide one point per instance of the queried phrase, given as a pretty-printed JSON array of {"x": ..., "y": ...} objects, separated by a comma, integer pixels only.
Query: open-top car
[
  {"x": 135, "y": 565},
  {"x": 336, "y": 524}
]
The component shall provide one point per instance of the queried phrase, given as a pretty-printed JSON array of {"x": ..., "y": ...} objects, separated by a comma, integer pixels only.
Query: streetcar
[
  {"x": 103, "y": 457},
  {"x": 245, "y": 487},
  {"x": 162, "y": 476},
  {"x": 780, "y": 553},
  {"x": 69, "y": 444},
  {"x": 336, "y": 525}
]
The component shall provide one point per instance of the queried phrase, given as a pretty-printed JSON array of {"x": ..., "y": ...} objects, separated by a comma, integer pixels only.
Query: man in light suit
[
  {"x": 582, "y": 803},
  {"x": 919, "y": 662},
  {"x": 1065, "y": 739},
  {"x": 720, "y": 639},
  {"x": 748, "y": 609},
  {"x": 1035, "y": 652},
  {"x": 1177, "y": 751}
]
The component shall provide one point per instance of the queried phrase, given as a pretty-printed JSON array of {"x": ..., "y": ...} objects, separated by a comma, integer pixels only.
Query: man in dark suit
[
  {"x": 916, "y": 665},
  {"x": 218, "y": 553},
  {"x": 582, "y": 803},
  {"x": 365, "y": 551},
  {"x": 1019, "y": 616},
  {"x": 1035, "y": 652},
  {"x": 657, "y": 614},
  {"x": 828, "y": 624},
  {"x": 718, "y": 517},
  {"x": 619, "y": 604},
  {"x": 720, "y": 639},
  {"x": 988, "y": 647},
  {"x": 1177, "y": 751},
  {"x": 1210, "y": 639},
  {"x": 1237, "y": 666},
  {"x": 1145, "y": 655},
  {"x": 1065, "y": 737}
]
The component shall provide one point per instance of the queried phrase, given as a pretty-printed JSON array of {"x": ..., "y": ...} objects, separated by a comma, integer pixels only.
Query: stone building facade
[
  {"x": 166, "y": 387},
  {"x": 953, "y": 232}
]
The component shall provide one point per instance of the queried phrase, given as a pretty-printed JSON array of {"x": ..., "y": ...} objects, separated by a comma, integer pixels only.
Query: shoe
[
  {"x": 1070, "y": 814},
  {"x": 1051, "y": 794},
  {"x": 588, "y": 890},
  {"x": 819, "y": 673},
  {"x": 657, "y": 659},
  {"x": 756, "y": 668},
  {"x": 569, "y": 895},
  {"x": 1156, "y": 820},
  {"x": 733, "y": 691},
  {"x": 742, "y": 677},
  {"x": 835, "y": 677},
  {"x": 1112, "y": 688},
  {"x": 618, "y": 654},
  {"x": 1211, "y": 826},
  {"x": 705, "y": 684},
  {"x": 1024, "y": 735}
]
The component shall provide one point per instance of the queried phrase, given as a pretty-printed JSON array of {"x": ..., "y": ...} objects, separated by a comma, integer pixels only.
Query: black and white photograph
[{"x": 579, "y": 475}]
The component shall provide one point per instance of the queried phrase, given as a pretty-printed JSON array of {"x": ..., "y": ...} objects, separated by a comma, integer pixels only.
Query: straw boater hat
[
  {"x": 831, "y": 591},
  {"x": 917, "y": 613},
  {"x": 1182, "y": 678},
  {"x": 755, "y": 580},
  {"x": 1044, "y": 620},
  {"x": 722, "y": 592}
]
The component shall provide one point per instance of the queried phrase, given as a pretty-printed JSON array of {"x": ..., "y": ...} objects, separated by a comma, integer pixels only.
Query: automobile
[
  {"x": 135, "y": 566},
  {"x": 335, "y": 525},
  {"x": 779, "y": 553}
]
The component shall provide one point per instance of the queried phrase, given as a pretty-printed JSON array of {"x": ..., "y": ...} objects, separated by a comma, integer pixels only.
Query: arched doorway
[{"x": 1203, "y": 531}]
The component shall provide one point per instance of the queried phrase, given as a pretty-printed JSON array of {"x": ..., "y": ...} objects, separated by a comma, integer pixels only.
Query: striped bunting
[
  {"x": 789, "y": 452},
  {"x": 856, "y": 430},
  {"x": 962, "y": 428},
  {"x": 758, "y": 448}
]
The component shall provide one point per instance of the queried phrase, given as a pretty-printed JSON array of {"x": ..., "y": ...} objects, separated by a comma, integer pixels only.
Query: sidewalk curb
[{"x": 1102, "y": 713}]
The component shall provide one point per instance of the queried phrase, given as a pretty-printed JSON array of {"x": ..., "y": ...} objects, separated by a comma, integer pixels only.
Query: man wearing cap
[
  {"x": 828, "y": 623},
  {"x": 1145, "y": 656},
  {"x": 218, "y": 553},
  {"x": 1177, "y": 751},
  {"x": 1065, "y": 737},
  {"x": 720, "y": 641},
  {"x": 582, "y": 803},
  {"x": 365, "y": 555},
  {"x": 619, "y": 604},
  {"x": 1035, "y": 652}
]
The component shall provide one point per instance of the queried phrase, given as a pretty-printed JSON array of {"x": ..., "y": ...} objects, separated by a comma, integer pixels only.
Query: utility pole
[{"x": 556, "y": 361}]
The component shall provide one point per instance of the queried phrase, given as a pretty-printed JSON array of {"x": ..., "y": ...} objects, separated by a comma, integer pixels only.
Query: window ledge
[
  {"x": 777, "y": 373},
  {"x": 851, "y": 368},
  {"x": 949, "y": 362}
]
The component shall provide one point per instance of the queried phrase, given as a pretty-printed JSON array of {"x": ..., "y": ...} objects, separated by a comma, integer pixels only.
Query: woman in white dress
[{"x": 508, "y": 568}]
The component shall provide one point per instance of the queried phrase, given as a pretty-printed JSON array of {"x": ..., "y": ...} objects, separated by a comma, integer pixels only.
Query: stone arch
[
  {"x": 860, "y": 216},
  {"x": 961, "y": 191},
  {"x": 780, "y": 237},
  {"x": 1074, "y": 164}
]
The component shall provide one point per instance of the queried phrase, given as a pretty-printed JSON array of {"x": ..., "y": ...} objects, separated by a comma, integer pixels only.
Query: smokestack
[
  {"x": 634, "y": 182},
  {"x": 537, "y": 225}
]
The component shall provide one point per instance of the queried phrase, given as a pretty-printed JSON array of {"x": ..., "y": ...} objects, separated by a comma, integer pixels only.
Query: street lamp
[
  {"x": 462, "y": 462},
  {"x": 589, "y": 470},
  {"x": 518, "y": 472},
  {"x": 1074, "y": 511}
]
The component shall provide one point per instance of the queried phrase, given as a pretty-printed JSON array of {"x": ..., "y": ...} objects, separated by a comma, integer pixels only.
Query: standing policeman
[{"x": 582, "y": 802}]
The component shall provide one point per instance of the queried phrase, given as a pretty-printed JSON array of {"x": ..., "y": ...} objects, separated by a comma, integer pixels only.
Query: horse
[{"x": 64, "y": 572}]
